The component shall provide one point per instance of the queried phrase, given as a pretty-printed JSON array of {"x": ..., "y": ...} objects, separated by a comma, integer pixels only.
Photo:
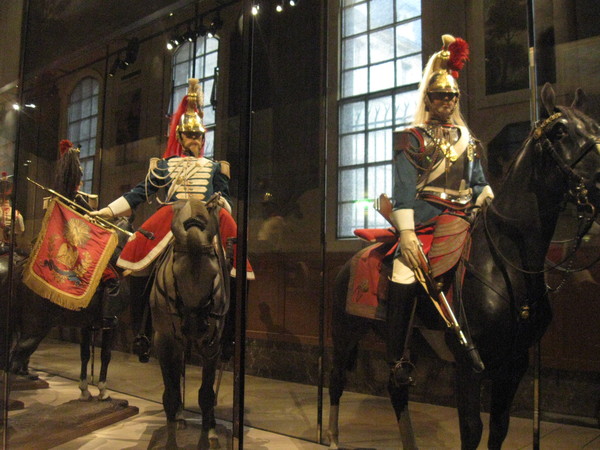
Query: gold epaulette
[{"x": 225, "y": 168}]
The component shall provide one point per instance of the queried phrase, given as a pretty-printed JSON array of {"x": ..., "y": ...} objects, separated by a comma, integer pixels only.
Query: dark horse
[
  {"x": 504, "y": 293},
  {"x": 32, "y": 316},
  {"x": 189, "y": 301}
]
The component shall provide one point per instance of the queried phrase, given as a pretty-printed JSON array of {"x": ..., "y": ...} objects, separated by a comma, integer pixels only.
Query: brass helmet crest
[
  {"x": 191, "y": 119},
  {"x": 446, "y": 65}
]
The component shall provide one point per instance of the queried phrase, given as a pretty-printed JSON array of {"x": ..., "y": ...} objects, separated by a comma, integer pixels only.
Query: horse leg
[
  {"x": 109, "y": 325},
  {"x": 24, "y": 348},
  {"x": 468, "y": 396},
  {"x": 207, "y": 396},
  {"x": 346, "y": 335},
  {"x": 84, "y": 355},
  {"x": 169, "y": 351},
  {"x": 503, "y": 393}
]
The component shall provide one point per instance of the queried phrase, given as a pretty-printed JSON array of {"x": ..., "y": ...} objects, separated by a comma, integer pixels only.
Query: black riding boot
[
  {"x": 401, "y": 299},
  {"x": 139, "y": 308}
]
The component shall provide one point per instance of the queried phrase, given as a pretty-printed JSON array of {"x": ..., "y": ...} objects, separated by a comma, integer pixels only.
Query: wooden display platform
[{"x": 44, "y": 426}]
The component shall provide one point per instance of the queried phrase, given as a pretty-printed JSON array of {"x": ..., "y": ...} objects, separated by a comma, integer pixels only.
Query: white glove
[
  {"x": 104, "y": 213},
  {"x": 486, "y": 194},
  {"x": 409, "y": 246}
]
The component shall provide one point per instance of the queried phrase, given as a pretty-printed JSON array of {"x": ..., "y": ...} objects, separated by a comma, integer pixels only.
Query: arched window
[
  {"x": 381, "y": 65},
  {"x": 197, "y": 59},
  {"x": 83, "y": 124}
]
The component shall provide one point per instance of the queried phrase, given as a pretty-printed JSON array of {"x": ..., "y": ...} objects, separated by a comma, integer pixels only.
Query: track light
[
  {"x": 189, "y": 35},
  {"x": 292, "y": 2},
  {"x": 174, "y": 42},
  {"x": 255, "y": 9},
  {"x": 131, "y": 52},
  {"x": 16, "y": 106},
  {"x": 279, "y": 7},
  {"x": 118, "y": 64},
  {"x": 215, "y": 25}
]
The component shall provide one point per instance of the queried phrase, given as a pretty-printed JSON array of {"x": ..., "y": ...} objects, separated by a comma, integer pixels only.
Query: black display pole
[
  {"x": 241, "y": 291},
  {"x": 534, "y": 116},
  {"x": 10, "y": 293}
]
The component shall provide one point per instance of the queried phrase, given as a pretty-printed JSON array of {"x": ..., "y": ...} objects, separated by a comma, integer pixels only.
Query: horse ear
[
  {"x": 580, "y": 100},
  {"x": 548, "y": 98}
]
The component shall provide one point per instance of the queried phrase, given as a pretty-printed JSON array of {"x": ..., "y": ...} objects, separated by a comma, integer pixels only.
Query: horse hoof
[
  {"x": 85, "y": 396},
  {"x": 104, "y": 397},
  {"x": 333, "y": 439},
  {"x": 213, "y": 443}
]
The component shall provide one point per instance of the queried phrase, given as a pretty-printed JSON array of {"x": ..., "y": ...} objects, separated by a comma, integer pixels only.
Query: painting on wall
[{"x": 506, "y": 61}]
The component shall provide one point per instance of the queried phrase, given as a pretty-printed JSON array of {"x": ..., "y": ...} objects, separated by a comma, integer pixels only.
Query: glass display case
[{"x": 301, "y": 99}]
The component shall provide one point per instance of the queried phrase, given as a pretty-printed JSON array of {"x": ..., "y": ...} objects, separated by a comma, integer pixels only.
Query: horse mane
[{"x": 68, "y": 174}]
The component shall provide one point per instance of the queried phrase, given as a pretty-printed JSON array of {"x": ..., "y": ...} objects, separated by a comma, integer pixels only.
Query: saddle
[{"x": 443, "y": 241}]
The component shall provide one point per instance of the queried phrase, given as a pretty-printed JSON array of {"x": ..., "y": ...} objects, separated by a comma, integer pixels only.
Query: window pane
[
  {"x": 408, "y": 38},
  {"x": 86, "y": 107},
  {"x": 381, "y": 77},
  {"x": 380, "y": 113},
  {"x": 212, "y": 45},
  {"x": 352, "y": 149},
  {"x": 352, "y": 184},
  {"x": 408, "y": 70},
  {"x": 352, "y": 117},
  {"x": 405, "y": 9},
  {"x": 380, "y": 145},
  {"x": 74, "y": 111},
  {"x": 354, "y": 20},
  {"x": 182, "y": 53},
  {"x": 73, "y": 132},
  {"x": 84, "y": 129},
  {"x": 181, "y": 73},
  {"x": 86, "y": 88},
  {"x": 381, "y": 13},
  {"x": 351, "y": 216},
  {"x": 381, "y": 46},
  {"x": 209, "y": 115},
  {"x": 211, "y": 62},
  {"x": 355, "y": 52},
  {"x": 405, "y": 107},
  {"x": 380, "y": 180},
  {"x": 209, "y": 146},
  {"x": 200, "y": 64},
  {"x": 376, "y": 220},
  {"x": 354, "y": 82}
]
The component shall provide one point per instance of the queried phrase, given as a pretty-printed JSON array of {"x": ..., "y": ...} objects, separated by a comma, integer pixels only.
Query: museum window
[
  {"x": 83, "y": 124},
  {"x": 380, "y": 68},
  {"x": 197, "y": 59}
]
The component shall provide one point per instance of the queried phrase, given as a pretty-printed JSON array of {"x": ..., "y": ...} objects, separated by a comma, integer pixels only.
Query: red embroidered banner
[{"x": 68, "y": 258}]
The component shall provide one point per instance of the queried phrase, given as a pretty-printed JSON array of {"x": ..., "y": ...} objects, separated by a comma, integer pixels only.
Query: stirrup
[{"x": 401, "y": 373}]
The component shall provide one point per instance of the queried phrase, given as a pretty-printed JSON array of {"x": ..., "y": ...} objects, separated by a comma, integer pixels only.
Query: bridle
[{"x": 576, "y": 191}]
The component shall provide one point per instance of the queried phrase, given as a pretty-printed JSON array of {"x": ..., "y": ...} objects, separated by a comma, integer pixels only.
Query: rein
[{"x": 576, "y": 191}]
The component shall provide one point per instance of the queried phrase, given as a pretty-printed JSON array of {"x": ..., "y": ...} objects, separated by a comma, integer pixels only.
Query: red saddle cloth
[
  {"x": 443, "y": 240},
  {"x": 139, "y": 252}
]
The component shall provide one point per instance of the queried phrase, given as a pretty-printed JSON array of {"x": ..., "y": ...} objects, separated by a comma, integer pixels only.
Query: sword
[
  {"x": 72, "y": 203},
  {"x": 424, "y": 276}
]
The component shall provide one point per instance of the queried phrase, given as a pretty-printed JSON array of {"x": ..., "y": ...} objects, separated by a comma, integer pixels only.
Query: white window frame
[
  {"x": 82, "y": 125},
  {"x": 197, "y": 59},
  {"x": 369, "y": 111}
]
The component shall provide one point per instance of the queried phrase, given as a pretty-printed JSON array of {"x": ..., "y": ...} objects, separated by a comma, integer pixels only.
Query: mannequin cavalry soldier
[
  {"x": 436, "y": 172},
  {"x": 183, "y": 172}
]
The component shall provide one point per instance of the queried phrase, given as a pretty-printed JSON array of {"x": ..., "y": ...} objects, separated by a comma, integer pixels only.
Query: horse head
[
  {"x": 198, "y": 260},
  {"x": 573, "y": 140}
]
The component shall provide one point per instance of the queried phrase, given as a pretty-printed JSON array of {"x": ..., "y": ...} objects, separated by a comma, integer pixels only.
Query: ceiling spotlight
[
  {"x": 131, "y": 52},
  {"x": 255, "y": 9},
  {"x": 279, "y": 7},
  {"x": 174, "y": 42},
  {"x": 292, "y": 2},
  {"x": 30, "y": 105},
  {"x": 117, "y": 64},
  {"x": 215, "y": 25},
  {"x": 189, "y": 35},
  {"x": 16, "y": 106}
]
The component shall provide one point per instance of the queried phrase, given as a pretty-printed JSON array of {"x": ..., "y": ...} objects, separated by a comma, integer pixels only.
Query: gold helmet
[
  {"x": 191, "y": 119},
  {"x": 446, "y": 65}
]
